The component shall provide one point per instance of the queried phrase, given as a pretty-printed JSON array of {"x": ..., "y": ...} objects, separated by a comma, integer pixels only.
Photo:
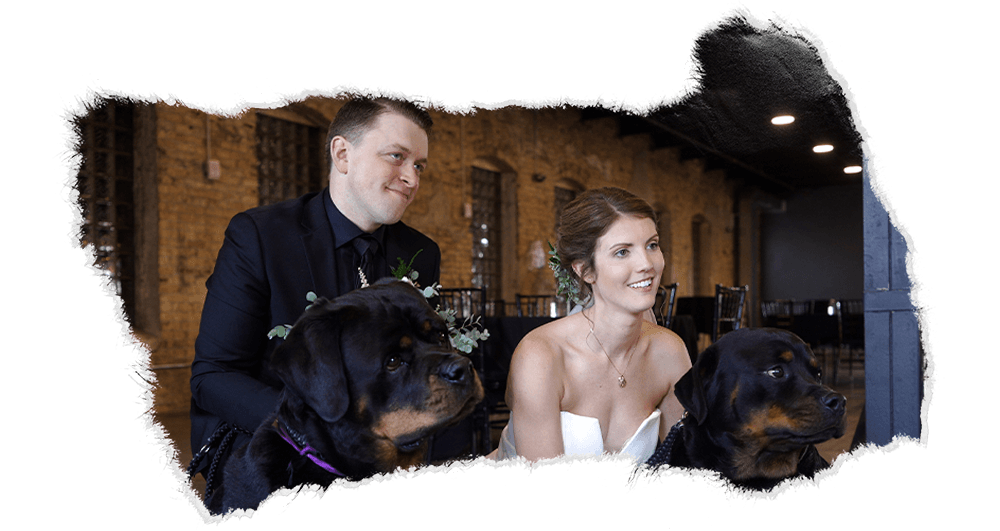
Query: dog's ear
[
  {"x": 310, "y": 361},
  {"x": 690, "y": 388}
]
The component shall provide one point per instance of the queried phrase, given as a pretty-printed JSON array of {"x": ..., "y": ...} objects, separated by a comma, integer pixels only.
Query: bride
[{"x": 602, "y": 379}]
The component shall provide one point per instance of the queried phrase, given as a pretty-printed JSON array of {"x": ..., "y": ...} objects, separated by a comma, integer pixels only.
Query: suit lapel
[
  {"x": 317, "y": 238},
  {"x": 392, "y": 250}
]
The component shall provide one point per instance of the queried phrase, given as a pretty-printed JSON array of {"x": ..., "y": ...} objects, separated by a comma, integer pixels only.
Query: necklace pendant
[{"x": 621, "y": 381}]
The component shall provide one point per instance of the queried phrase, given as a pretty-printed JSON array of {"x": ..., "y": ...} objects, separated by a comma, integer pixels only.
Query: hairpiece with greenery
[{"x": 567, "y": 286}]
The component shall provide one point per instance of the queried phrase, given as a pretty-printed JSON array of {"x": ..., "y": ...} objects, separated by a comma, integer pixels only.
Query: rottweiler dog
[
  {"x": 755, "y": 408},
  {"x": 368, "y": 376}
]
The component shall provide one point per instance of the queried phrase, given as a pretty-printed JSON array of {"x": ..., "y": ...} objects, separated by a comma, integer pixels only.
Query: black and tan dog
[
  {"x": 755, "y": 408},
  {"x": 368, "y": 378}
]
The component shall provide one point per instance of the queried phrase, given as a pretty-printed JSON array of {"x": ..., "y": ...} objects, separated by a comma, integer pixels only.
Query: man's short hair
[{"x": 356, "y": 117}]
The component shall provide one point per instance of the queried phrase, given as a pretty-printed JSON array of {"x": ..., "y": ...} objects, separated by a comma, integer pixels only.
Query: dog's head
[
  {"x": 758, "y": 394},
  {"x": 371, "y": 375}
]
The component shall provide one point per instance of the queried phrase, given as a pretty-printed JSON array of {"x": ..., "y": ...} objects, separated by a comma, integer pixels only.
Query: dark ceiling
[{"x": 745, "y": 77}]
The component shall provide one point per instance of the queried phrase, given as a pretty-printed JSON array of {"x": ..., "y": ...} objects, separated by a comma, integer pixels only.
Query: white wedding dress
[{"x": 582, "y": 436}]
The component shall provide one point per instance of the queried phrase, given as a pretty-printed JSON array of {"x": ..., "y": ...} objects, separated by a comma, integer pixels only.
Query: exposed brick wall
[
  {"x": 588, "y": 153},
  {"x": 194, "y": 211}
]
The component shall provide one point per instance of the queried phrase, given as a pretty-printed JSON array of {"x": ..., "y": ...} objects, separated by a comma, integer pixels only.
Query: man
[{"x": 274, "y": 255}]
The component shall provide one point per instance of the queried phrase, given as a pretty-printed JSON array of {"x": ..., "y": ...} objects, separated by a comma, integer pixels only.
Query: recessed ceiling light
[
  {"x": 822, "y": 148},
  {"x": 784, "y": 119},
  {"x": 852, "y": 169}
]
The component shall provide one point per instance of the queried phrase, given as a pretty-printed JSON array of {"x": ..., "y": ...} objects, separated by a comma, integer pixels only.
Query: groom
[{"x": 272, "y": 256}]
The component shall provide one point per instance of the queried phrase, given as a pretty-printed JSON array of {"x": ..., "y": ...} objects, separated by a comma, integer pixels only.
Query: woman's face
[{"x": 627, "y": 265}]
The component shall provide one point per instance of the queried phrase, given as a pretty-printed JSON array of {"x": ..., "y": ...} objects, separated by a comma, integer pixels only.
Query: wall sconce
[{"x": 537, "y": 255}]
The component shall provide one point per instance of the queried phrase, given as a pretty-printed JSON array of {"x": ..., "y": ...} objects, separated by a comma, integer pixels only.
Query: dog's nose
[
  {"x": 836, "y": 402},
  {"x": 456, "y": 370}
]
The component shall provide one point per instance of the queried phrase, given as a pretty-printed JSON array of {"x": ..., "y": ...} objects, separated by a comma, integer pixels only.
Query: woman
[{"x": 600, "y": 380}]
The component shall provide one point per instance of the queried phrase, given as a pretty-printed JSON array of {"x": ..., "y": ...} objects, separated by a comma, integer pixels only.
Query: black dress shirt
[{"x": 348, "y": 260}]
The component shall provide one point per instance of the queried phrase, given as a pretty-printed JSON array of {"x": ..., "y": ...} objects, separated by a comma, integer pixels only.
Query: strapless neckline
[{"x": 582, "y": 436}]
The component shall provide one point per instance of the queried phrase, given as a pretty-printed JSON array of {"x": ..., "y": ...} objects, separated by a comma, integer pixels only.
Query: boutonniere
[
  {"x": 405, "y": 272},
  {"x": 464, "y": 338}
]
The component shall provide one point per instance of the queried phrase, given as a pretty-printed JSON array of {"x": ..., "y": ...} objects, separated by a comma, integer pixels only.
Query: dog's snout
[
  {"x": 456, "y": 370},
  {"x": 836, "y": 402}
]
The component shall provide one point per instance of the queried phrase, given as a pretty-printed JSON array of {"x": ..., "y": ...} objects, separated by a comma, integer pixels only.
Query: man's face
[{"x": 381, "y": 171}]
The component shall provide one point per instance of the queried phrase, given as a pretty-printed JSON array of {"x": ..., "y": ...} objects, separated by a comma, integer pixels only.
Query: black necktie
[{"x": 366, "y": 245}]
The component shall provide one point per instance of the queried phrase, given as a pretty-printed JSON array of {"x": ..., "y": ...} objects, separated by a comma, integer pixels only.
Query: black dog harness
[
  {"x": 664, "y": 450},
  {"x": 223, "y": 436}
]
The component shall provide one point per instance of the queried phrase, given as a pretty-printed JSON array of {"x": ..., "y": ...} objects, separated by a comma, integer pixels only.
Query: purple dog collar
[{"x": 307, "y": 451}]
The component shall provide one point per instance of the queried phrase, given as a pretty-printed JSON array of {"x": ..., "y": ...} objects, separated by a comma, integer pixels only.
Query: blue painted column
[{"x": 893, "y": 354}]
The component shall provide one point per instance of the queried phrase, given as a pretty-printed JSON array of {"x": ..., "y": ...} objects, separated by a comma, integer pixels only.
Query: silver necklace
[{"x": 622, "y": 382}]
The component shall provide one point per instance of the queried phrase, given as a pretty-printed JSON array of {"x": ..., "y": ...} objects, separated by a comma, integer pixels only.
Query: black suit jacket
[{"x": 271, "y": 258}]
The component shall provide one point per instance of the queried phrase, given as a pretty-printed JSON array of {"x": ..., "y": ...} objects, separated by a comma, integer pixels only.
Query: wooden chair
[
  {"x": 728, "y": 311},
  {"x": 467, "y": 302},
  {"x": 776, "y": 313},
  {"x": 802, "y": 307},
  {"x": 663, "y": 308},
  {"x": 495, "y": 308},
  {"x": 534, "y": 305}
]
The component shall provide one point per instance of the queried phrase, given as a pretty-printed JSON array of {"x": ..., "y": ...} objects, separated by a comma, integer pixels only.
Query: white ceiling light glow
[
  {"x": 852, "y": 169},
  {"x": 783, "y": 119},
  {"x": 822, "y": 148}
]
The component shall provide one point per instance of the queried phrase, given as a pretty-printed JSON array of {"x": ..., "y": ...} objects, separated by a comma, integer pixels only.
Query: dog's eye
[
  {"x": 393, "y": 363},
  {"x": 775, "y": 372}
]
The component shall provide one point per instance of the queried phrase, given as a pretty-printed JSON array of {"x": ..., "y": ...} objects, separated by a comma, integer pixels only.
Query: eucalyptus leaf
[{"x": 279, "y": 331}]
